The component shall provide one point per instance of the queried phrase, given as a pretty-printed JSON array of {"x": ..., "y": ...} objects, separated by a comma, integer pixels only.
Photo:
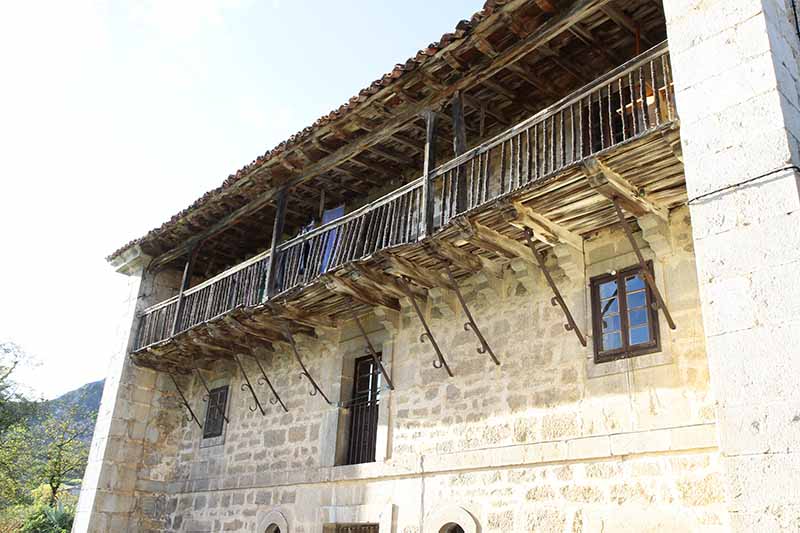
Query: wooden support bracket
[
  {"x": 493, "y": 241},
  {"x": 614, "y": 186},
  {"x": 542, "y": 229}
]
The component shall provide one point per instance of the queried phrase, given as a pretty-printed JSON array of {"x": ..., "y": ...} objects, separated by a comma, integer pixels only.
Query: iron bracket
[
  {"x": 470, "y": 324},
  {"x": 648, "y": 276},
  {"x": 557, "y": 298},
  {"x": 369, "y": 348},
  {"x": 188, "y": 407},
  {"x": 440, "y": 361},
  {"x": 304, "y": 371},
  {"x": 247, "y": 386},
  {"x": 264, "y": 379},
  {"x": 208, "y": 392}
]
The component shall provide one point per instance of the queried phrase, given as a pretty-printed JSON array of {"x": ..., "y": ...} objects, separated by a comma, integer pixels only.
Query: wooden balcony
[{"x": 552, "y": 173}]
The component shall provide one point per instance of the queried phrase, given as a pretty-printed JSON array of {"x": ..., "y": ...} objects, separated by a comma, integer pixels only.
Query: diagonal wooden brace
[
  {"x": 370, "y": 349},
  {"x": 557, "y": 298},
  {"x": 648, "y": 276},
  {"x": 304, "y": 371},
  {"x": 470, "y": 323},
  {"x": 440, "y": 361},
  {"x": 247, "y": 386},
  {"x": 188, "y": 407}
]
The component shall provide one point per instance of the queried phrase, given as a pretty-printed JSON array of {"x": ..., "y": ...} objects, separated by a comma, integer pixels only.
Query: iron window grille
[
  {"x": 215, "y": 412},
  {"x": 624, "y": 317},
  {"x": 363, "y": 411}
]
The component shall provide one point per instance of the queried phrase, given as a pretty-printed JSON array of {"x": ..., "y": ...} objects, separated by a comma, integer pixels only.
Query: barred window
[
  {"x": 363, "y": 411},
  {"x": 624, "y": 318},
  {"x": 215, "y": 412}
]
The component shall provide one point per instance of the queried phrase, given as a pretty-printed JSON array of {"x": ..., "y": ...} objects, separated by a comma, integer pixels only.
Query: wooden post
[
  {"x": 459, "y": 147},
  {"x": 277, "y": 231},
  {"x": 428, "y": 166},
  {"x": 185, "y": 280}
]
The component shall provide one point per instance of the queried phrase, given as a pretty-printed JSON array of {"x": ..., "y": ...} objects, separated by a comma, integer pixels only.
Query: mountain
[{"x": 85, "y": 398}]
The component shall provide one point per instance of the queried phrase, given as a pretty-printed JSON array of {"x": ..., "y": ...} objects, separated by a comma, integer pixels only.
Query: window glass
[{"x": 624, "y": 322}]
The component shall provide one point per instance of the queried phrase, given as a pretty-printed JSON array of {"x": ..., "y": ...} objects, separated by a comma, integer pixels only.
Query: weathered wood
[
  {"x": 185, "y": 281},
  {"x": 362, "y": 294},
  {"x": 492, "y": 240},
  {"x": 614, "y": 186},
  {"x": 383, "y": 282},
  {"x": 519, "y": 215},
  {"x": 429, "y": 163},
  {"x": 422, "y": 276},
  {"x": 459, "y": 147},
  {"x": 277, "y": 231},
  {"x": 464, "y": 260},
  {"x": 479, "y": 72}
]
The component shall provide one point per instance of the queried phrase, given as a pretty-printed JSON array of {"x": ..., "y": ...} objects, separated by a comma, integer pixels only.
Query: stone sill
[{"x": 603, "y": 447}]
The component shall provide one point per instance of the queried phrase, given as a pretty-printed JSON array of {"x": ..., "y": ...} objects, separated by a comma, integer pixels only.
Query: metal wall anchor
[
  {"x": 440, "y": 361},
  {"x": 470, "y": 323},
  {"x": 207, "y": 395},
  {"x": 264, "y": 379},
  {"x": 648, "y": 276},
  {"x": 304, "y": 371},
  {"x": 369, "y": 348},
  {"x": 557, "y": 299},
  {"x": 188, "y": 407},
  {"x": 247, "y": 386}
]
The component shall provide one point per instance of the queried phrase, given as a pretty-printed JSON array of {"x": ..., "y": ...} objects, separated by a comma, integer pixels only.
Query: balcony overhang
[{"x": 554, "y": 177}]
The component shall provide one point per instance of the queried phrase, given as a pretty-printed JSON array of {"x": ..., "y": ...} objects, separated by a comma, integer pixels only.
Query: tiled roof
[{"x": 462, "y": 29}]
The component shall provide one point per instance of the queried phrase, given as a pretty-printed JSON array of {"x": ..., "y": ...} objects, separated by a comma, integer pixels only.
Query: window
[
  {"x": 363, "y": 411},
  {"x": 215, "y": 412},
  {"x": 624, "y": 320}
]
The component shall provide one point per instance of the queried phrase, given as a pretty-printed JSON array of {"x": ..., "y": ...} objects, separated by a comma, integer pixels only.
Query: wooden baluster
[
  {"x": 429, "y": 164},
  {"x": 185, "y": 281},
  {"x": 459, "y": 147},
  {"x": 277, "y": 231}
]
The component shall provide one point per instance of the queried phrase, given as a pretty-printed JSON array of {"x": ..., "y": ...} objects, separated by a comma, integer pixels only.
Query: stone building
[{"x": 543, "y": 276}]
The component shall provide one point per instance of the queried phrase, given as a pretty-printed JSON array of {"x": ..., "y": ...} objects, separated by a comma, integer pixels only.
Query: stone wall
[
  {"x": 736, "y": 82},
  {"x": 547, "y": 441}
]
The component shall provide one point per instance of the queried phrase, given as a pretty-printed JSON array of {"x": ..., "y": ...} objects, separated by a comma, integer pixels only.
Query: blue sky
[{"x": 115, "y": 115}]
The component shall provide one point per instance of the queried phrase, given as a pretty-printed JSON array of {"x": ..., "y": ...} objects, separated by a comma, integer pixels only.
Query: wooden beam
[
  {"x": 277, "y": 231},
  {"x": 465, "y": 260},
  {"x": 614, "y": 186},
  {"x": 545, "y": 230},
  {"x": 397, "y": 157},
  {"x": 379, "y": 281},
  {"x": 486, "y": 69},
  {"x": 622, "y": 19},
  {"x": 245, "y": 329},
  {"x": 493, "y": 241},
  {"x": 428, "y": 164},
  {"x": 424, "y": 277},
  {"x": 364, "y": 295}
]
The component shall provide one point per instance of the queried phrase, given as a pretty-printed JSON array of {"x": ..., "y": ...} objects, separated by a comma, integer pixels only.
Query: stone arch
[
  {"x": 444, "y": 519},
  {"x": 273, "y": 521}
]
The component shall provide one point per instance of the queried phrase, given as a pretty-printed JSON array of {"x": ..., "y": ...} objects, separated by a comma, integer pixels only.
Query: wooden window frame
[
  {"x": 626, "y": 351},
  {"x": 207, "y": 433}
]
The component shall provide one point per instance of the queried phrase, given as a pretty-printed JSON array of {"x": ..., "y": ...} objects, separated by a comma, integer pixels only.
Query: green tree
[
  {"x": 61, "y": 448},
  {"x": 14, "y": 406},
  {"x": 16, "y": 412}
]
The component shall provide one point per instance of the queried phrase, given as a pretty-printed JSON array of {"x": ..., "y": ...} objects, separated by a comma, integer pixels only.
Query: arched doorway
[
  {"x": 451, "y": 528},
  {"x": 274, "y": 528}
]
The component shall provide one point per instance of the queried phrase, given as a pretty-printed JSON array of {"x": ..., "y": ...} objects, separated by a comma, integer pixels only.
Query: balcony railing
[{"x": 628, "y": 102}]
